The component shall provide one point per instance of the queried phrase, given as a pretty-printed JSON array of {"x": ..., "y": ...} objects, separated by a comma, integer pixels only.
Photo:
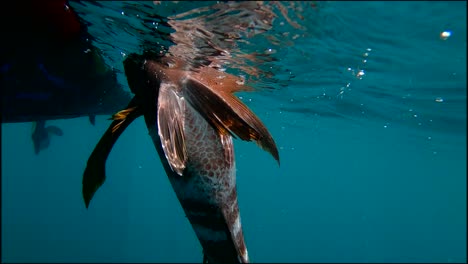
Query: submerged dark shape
[
  {"x": 50, "y": 70},
  {"x": 191, "y": 118},
  {"x": 41, "y": 135}
]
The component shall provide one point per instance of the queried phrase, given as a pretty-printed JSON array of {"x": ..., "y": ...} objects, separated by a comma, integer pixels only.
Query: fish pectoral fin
[
  {"x": 227, "y": 114},
  {"x": 95, "y": 172},
  {"x": 171, "y": 108},
  {"x": 54, "y": 130}
]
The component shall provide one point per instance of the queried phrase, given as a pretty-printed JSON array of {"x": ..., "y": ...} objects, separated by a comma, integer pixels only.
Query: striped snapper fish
[{"x": 192, "y": 116}]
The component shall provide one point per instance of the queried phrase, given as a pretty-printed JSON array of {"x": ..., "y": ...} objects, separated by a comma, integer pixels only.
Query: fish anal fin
[
  {"x": 171, "y": 108},
  {"x": 225, "y": 112},
  {"x": 95, "y": 172}
]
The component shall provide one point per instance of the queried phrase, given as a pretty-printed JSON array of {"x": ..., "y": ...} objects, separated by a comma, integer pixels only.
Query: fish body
[
  {"x": 206, "y": 187},
  {"x": 191, "y": 119}
]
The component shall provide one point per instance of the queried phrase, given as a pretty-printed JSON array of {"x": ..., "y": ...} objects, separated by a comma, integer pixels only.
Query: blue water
[{"x": 369, "y": 115}]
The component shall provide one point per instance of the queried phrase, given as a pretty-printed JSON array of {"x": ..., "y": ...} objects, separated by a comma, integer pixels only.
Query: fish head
[{"x": 150, "y": 70}]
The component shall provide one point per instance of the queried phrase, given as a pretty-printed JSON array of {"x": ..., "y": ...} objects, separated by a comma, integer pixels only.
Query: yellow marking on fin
[{"x": 121, "y": 115}]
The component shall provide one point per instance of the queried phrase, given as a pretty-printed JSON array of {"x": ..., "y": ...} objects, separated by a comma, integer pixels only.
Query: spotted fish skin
[
  {"x": 191, "y": 119},
  {"x": 207, "y": 188}
]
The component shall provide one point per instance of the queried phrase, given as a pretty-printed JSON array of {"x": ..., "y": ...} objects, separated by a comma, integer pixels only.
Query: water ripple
[{"x": 350, "y": 60}]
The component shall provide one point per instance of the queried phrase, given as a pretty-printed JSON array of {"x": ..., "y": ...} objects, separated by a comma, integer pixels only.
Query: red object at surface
[
  {"x": 60, "y": 20},
  {"x": 53, "y": 20}
]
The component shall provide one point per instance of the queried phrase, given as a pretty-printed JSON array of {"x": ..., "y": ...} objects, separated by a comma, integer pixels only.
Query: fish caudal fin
[{"x": 95, "y": 172}]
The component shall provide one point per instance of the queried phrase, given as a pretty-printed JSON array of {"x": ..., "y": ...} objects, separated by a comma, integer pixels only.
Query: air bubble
[
  {"x": 445, "y": 35},
  {"x": 270, "y": 51}
]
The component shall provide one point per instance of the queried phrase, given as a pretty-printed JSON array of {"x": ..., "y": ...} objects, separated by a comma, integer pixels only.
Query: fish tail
[{"x": 218, "y": 230}]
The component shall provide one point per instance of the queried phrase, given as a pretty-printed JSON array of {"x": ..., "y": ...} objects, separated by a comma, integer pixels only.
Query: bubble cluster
[{"x": 358, "y": 72}]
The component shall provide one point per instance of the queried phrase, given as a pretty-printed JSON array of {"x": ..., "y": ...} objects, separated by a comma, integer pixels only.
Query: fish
[
  {"x": 192, "y": 116},
  {"x": 38, "y": 82}
]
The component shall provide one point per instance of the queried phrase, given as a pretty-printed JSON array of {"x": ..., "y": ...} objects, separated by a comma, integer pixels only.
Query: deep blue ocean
[{"x": 369, "y": 114}]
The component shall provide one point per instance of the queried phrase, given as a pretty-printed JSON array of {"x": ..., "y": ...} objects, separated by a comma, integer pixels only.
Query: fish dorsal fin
[
  {"x": 224, "y": 111},
  {"x": 95, "y": 172},
  {"x": 171, "y": 108}
]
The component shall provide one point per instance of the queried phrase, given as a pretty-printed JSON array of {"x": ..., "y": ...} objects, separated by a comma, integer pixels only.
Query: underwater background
[{"x": 367, "y": 107}]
